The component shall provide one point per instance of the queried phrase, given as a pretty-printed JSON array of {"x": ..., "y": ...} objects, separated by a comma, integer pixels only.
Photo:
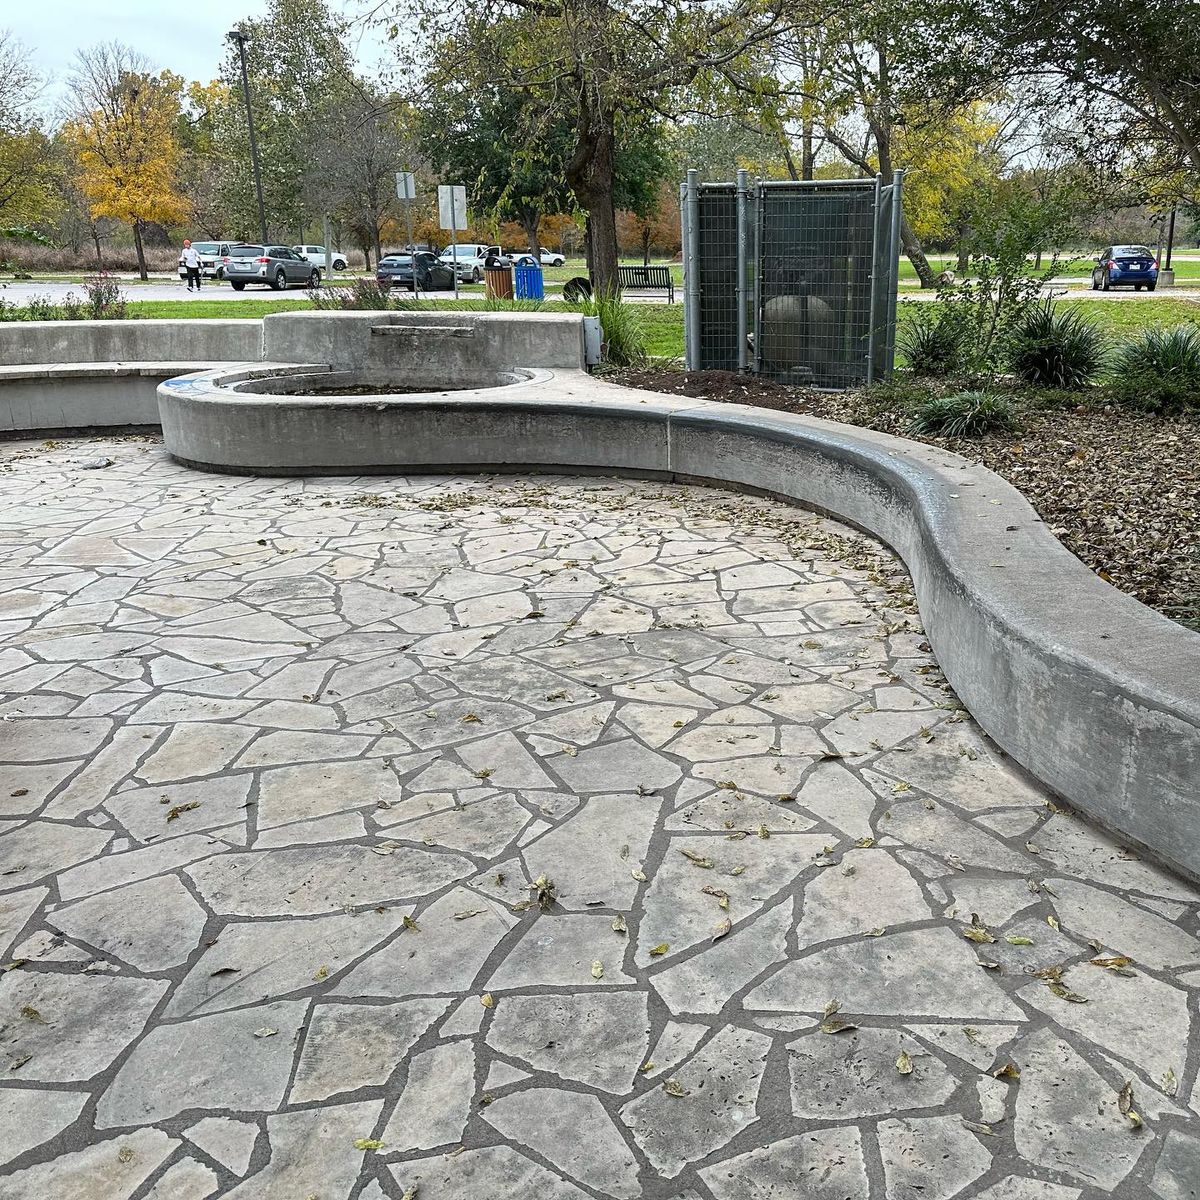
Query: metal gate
[{"x": 792, "y": 279}]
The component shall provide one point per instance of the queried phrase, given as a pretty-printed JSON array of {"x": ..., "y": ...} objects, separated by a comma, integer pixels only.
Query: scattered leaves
[
  {"x": 1125, "y": 1104},
  {"x": 722, "y": 898}
]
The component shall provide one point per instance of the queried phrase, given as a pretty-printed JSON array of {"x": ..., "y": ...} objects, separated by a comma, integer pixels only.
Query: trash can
[
  {"x": 498, "y": 282},
  {"x": 529, "y": 284}
]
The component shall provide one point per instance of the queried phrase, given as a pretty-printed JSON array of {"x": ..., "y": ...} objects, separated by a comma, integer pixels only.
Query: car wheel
[
  {"x": 339, "y": 264},
  {"x": 476, "y": 274},
  {"x": 237, "y": 287},
  {"x": 1137, "y": 287},
  {"x": 1105, "y": 283},
  {"x": 280, "y": 281},
  {"x": 314, "y": 280},
  {"x": 1151, "y": 286}
]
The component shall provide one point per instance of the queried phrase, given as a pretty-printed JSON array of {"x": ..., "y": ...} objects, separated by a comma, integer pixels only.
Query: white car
[
  {"x": 467, "y": 258},
  {"x": 551, "y": 259},
  {"x": 316, "y": 256}
]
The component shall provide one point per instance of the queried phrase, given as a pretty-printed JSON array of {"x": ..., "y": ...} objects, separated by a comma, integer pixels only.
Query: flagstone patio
[{"x": 433, "y": 838}]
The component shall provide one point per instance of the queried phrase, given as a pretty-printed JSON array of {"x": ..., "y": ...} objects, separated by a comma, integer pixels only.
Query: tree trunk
[
  {"x": 141, "y": 250},
  {"x": 375, "y": 241},
  {"x": 646, "y": 245},
  {"x": 807, "y": 157},
  {"x": 531, "y": 218},
  {"x": 96, "y": 239},
  {"x": 590, "y": 175},
  {"x": 915, "y": 255}
]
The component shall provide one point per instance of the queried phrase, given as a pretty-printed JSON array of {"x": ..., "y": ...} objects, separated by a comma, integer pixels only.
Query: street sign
[
  {"x": 452, "y": 206},
  {"x": 406, "y": 185}
]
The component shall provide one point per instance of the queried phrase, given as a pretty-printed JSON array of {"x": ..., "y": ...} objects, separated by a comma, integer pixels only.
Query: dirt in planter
[{"x": 1120, "y": 489}]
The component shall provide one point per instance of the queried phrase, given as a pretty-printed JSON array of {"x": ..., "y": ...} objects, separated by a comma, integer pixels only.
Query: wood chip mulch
[{"x": 1121, "y": 489}]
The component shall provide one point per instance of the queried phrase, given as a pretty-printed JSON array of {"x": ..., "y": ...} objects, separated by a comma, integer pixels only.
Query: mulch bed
[{"x": 1120, "y": 489}]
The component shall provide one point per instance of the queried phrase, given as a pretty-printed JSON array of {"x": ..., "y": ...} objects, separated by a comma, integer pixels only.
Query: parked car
[
  {"x": 277, "y": 267},
  {"x": 468, "y": 258},
  {"x": 398, "y": 270},
  {"x": 1126, "y": 266},
  {"x": 551, "y": 258},
  {"x": 212, "y": 259},
  {"x": 316, "y": 255}
]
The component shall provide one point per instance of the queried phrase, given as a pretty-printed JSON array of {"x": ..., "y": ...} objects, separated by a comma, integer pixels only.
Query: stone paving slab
[{"x": 405, "y": 838}]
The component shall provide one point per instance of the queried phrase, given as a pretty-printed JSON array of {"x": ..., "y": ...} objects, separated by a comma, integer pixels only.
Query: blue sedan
[{"x": 1125, "y": 266}]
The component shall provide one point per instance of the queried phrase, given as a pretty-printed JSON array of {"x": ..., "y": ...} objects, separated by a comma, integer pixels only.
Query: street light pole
[{"x": 236, "y": 35}]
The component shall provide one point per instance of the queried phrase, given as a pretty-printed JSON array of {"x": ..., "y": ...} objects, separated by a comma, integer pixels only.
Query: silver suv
[{"x": 277, "y": 267}]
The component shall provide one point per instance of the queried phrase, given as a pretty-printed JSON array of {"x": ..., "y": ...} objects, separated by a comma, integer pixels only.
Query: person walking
[{"x": 191, "y": 262}]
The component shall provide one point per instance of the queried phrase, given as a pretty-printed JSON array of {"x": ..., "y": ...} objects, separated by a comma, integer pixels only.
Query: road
[{"x": 22, "y": 292}]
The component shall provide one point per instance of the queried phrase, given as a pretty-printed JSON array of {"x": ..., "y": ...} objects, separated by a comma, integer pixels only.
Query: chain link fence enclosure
[{"x": 795, "y": 280}]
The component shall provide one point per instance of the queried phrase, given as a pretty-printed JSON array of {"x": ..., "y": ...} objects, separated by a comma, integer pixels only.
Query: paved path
[{"x": 461, "y": 838}]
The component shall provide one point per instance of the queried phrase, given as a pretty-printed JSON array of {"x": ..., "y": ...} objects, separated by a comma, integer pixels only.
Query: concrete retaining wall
[
  {"x": 1095, "y": 694},
  {"x": 129, "y": 341}
]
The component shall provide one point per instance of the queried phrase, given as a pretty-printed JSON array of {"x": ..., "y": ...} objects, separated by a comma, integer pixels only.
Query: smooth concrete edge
[{"x": 1093, "y": 693}]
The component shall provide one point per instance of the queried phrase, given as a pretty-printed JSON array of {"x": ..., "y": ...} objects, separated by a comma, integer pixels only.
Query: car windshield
[
  {"x": 205, "y": 247},
  {"x": 1132, "y": 252},
  {"x": 459, "y": 252},
  {"x": 246, "y": 251}
]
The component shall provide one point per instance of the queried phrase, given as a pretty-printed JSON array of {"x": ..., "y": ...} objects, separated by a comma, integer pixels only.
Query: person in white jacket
[{"x": 191, "y": 262}]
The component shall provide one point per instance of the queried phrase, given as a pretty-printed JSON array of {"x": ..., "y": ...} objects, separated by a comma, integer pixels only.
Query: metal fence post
[
  {"x": 874, "y": 301},
  {"x": 743, "y": 358},
  {"x": 893, "y": 273},
  {"x": 691, "y": 272},
  {"x": 759, "y": 244}
]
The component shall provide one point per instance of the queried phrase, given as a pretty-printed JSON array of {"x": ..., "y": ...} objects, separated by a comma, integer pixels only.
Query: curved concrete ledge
[{"x": 1092, "y": 692}]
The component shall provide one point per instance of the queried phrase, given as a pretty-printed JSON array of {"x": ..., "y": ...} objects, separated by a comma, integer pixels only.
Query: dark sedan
[
  {"x": 398, "y": 270},
  {"x": 1126, "y": 266}
]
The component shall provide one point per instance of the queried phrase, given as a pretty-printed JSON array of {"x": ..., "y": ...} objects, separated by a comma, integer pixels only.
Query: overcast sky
[{"x": 185, "y": 36}]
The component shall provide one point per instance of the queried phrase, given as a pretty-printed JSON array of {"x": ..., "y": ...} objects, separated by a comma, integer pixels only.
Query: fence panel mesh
[{"x": 717, "y": 232}]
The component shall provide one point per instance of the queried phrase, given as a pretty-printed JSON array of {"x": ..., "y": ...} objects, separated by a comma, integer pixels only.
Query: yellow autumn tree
[{"x": 125, "y": 134}]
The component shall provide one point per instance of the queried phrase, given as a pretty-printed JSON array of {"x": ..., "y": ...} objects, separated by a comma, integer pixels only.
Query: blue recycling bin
[{"x": 528, "y": 284}]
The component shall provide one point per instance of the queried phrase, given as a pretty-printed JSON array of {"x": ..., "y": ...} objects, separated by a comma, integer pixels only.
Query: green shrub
[
  {"x": 1050, "y": 348},
  {"x": 964, "y": 414},
  {"x": 932, "y": 345},
  {"x": 361, "y": 294},
  {"x": 1159, "y": 369},
  {"x": 623, "y": 334}
]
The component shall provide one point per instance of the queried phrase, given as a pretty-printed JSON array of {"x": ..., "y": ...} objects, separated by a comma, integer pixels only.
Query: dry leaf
[
  {"x": 659, "y": 950},
  {"x": 674, "y": 1088},
  {"x": 368, "y": 1144},
  {"x": 31, "y": 1014},
  {"x": 265, "y": 1032},
  {"x": 835, "y": 1025},
  {"x": 904, "y": 1063},
  {"x": 173, "y": 813},
  {"x": 1010, "y": 1070},
  {"x": 125, "y": 1154},
  {"x": 722, "y": 898},
  {"x": 721, "y": 929},
  {"x": 322, "y": 973},
  {"x": 1052, "y": 921},
  {"x": 618, "y": 924},
  {"x": 471, "y": 912},
  {"x": 638, "y": 874},
  {"x": 487, "y": 1000},
  {"x": 979, "y": 1127},
  {"x": 409, "y": 923},
  {"x": 597, "y": 970},
  {"x": 699, "y": 860},
  {"x": 1015, "y": 939}
]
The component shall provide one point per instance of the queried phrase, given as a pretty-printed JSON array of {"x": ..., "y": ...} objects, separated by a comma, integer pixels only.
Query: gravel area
[{"x": 1120, "y": 489}]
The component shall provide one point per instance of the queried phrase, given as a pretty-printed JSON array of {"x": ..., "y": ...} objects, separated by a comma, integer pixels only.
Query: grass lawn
[{"x": 663, "y": 323}]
